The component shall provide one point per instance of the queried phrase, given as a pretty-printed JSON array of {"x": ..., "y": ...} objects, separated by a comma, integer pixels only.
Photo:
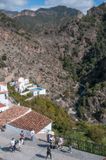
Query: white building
[
  {"x": 25, "y": 119},
  {"x": 22, "y": 84},
  {"x": 4, "y": 102},
  {"x": 38, "y": 91},
  {"x": 24, "y": 87}
]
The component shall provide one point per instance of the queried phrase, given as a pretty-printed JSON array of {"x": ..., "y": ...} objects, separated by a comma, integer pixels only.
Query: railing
[{"x": 87, "y": 146}]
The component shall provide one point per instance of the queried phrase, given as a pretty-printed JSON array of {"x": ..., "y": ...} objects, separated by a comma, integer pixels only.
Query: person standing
[
  {"x": 20, "y": 143},
  {"x": 52, "y": 142},
  {"x": 32, "y": 134},
  {"x": 22, "y": 136},
  {"x": 12, "y": 144},
  {"x": 60, "y": 143},
  {"x": 48, "y": 152},
  {"x": 48, "y": 137}
]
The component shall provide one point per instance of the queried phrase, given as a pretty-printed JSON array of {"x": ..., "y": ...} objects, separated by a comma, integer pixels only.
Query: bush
[
  {"x": 44, "y": 105},
  {"x": 96, "y": 133},
  {"x": 2, "y": 64},
  {"x": 4, "y": 57}
]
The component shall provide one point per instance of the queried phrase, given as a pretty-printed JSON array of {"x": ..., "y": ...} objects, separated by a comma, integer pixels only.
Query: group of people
[
  {"x": 55, "y": 142},
  {"x": 17, "y": 144}
]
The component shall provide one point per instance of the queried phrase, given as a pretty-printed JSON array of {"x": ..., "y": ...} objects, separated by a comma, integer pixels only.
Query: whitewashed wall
[
  {"x": 42, "y": 92},
  {"x": 39, "y": 92},
  {"x": 3, "y": 99},
  {"x": 3, "y": 88},
  {"x": 16, "y": 131},
  {"x": 46, "y": 129}
]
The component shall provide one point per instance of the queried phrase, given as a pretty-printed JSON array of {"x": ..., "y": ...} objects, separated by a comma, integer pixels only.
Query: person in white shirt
[
  {"x": 12, "y": 143},
  {"x": 32, "y": 134},
  {"x": 20, "y": 143},
  {"x": 60, "y": 143},
  {"x": 52, "y": 142}
]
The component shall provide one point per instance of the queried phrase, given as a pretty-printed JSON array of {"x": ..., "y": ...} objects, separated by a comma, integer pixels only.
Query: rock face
[
  {"x": 59, "y": 11},
  {"x": 9, "y": 13},
  {"x": 63, "y": 51},
  {"x": 26, "y": 13},
  {"x": 27, "y": 58}
]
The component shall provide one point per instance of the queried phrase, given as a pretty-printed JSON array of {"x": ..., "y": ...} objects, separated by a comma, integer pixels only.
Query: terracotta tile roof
[
  {"x": 3, "y": 83},
  {"x": 32, "y": 120},
  {"x": 2, "y": 122},
  {"x": 3, "y": 92},
  {"x": 12, "y": 113},
  {"x": 2, "y": 105}
]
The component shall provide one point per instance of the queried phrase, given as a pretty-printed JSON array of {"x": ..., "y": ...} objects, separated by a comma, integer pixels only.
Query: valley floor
[{"x": 37, "y": 151}]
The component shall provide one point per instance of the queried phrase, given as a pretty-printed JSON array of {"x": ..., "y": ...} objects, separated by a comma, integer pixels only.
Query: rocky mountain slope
[
  {"x": 63, "y": 51},
  {"x": 38, "y": 21},
  {"x": 9, "y": 13}
]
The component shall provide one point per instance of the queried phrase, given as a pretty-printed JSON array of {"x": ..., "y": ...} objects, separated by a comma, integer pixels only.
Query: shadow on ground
[
  {"x": 64, "y": 151},
  {"x": 27, "y": 139},
  {"x": 42, "y": 145},
  {"x": 41, "y": 156},
  {"x": 42, "y": 140},
  {"x": 6, "y": 149}
]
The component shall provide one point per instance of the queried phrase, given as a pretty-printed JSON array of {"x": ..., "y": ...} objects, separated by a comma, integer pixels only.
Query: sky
[{"x": 17, "y": 5}]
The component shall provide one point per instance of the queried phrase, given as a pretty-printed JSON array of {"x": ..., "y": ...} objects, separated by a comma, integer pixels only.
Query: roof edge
[{"x": 20, "y": 116}]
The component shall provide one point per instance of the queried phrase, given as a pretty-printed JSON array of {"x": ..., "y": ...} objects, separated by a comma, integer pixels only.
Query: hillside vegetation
[
  {"x": 43, "y": 19},
  {"x": 62, "y": 123},
  {"x": 67, "y": 57}
]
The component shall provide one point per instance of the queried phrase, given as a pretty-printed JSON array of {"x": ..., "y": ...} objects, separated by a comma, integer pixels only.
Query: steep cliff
[{"x": 62, "y": 50}]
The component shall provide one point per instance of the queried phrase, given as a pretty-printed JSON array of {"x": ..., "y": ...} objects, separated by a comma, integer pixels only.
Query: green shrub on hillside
[
  {"x": 44, "y": 105},
  {"x": 62, "y": 122},
  {"x": 97, "y": 133}
]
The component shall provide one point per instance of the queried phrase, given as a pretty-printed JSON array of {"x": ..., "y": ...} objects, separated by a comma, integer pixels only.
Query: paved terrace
[{"x": 37, "y": 151}]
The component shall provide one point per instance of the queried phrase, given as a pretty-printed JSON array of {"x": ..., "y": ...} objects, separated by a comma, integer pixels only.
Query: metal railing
[{"x": 86, "y": 146}]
